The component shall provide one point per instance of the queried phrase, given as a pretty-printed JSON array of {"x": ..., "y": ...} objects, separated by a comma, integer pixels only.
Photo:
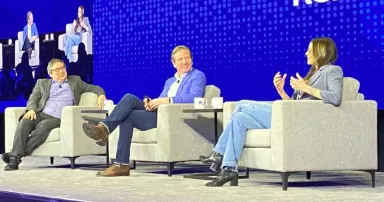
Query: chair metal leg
[
  {"x": 373, "y": 177},
  {"x": 52, "y": 160},
  {"x": 72, "y": 159},
  {"x": 170, "y": 167},
  {"x": 133, "y": 165},
  {"x": 308, "y": 175},
  {"x": 284, "y": 179},
  {"x": 246, "y": 176}
]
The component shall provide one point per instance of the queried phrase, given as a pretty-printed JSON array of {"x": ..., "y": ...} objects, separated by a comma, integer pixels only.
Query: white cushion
[
  {"x": 148, "y": 136},
  {"x": 74, "y": 49},
  {"x": 54, "y": 135},
  {"x": 258, "y": 138}
]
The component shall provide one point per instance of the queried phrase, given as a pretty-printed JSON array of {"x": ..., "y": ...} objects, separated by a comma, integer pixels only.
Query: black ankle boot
[
  {"x": 13, "y": 164},
  {"x": 225, "y": 176},
  {"x": 214, "y": 157}
]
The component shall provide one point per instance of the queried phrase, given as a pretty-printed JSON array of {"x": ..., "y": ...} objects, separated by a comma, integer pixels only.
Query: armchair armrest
[
  {"x": 310, "y": 135},
  {"x": 228, "y": 109},
  {"x": 37, "y": 48},
  {"x": 1, "y": 56},
  {"x": 17, "y": 52},
  {"x": 183, "y": 136},
  {"x": 61, "y": 42},
  {"x": 11, "y": 120},
  {"x": 87, "y": 40},
  {"x": 73, "y": 140}
]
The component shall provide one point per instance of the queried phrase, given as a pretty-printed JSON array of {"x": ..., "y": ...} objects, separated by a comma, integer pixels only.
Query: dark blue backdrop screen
[{"x": 239, "y": 44}]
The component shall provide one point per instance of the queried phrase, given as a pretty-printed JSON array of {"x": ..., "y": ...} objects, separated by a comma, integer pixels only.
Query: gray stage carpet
[{"x": 149, "y": 182}]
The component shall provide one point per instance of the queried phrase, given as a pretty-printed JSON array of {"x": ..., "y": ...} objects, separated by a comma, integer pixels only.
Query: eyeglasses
[{"x": 58, "y": 69}]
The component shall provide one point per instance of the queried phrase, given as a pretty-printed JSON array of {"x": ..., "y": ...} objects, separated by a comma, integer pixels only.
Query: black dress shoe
[
  {"x": 6, "y": 157},
  {"x": 214, "y": 157},
  {"x": 13, "y": 164},
  {"x": 224, "y": 177}
]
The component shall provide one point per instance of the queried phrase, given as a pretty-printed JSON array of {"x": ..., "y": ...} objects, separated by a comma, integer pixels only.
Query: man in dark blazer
[{"x": 43, "y": 111}]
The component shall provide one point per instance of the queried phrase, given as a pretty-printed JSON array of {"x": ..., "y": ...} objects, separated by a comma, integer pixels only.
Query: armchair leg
[
  {"x": 52, "y": 159},
  {"x": 246, "y": 176},
  {"x": 308, "y": 175},
  {"x": 373, "y": 176},
  {"x": 72, "y": 159},
  {"x": 133, "y": 167},
  {"x": 284, "y": 178},
  {"x": 170, "y": 167}
]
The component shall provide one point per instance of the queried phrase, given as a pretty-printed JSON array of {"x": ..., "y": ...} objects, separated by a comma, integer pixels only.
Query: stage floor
[{"x": 149, "y": 182}]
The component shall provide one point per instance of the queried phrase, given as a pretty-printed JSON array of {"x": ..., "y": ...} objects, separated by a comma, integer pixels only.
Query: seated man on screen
[
  {"x": 30, "y": 34},
  {"x": 132, "y": 112},
  {"x": 44, "y": 108}
]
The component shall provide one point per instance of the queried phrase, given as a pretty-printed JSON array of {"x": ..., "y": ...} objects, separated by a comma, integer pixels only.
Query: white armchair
[
  {"x": 1, "y": 56},
  {"x": 308, "y": 135},
  {"x": 69, "y": 140},
  {"x": 35, "y": 57},
  {"x": 178, "y": 136},
  {"x": 86, "y": 39}
]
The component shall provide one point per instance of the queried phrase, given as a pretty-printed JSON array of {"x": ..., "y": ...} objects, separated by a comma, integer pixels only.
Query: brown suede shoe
[
  {"x": 115, "y": 170},
  {"x": 99, "y": 133}
]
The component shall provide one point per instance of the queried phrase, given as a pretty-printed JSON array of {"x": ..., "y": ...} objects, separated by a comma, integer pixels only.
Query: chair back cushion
[
  {"x": 20, "y": 39},
  {"x": 360, "y": 96},
  {"x": 351, "y": 88},
  {"x": 88, "y": 99},
  {"x": 69, "y": 29},
  {"x": 211, "y": 91}
]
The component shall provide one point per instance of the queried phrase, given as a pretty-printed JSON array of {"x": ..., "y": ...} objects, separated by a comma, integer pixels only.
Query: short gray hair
[{"x": 53, "y": 62}]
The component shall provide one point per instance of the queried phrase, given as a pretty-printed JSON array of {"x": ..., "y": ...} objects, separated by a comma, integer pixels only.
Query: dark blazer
[
  {"x": 329, "y": 80},
  {"x": 41, "y": 91}
]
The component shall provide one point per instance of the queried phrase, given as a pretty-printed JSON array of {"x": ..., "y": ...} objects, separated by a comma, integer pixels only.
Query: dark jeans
[
  {"x": 28, "y": 45},
  {"x": 30, "y": 134},
  {"x": 129, "y": 113}
]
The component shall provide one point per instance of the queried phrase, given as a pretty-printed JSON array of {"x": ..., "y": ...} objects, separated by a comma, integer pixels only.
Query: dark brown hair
[
  {"x": 325, "y": 51},
  {"x": 82, "y": 9}
]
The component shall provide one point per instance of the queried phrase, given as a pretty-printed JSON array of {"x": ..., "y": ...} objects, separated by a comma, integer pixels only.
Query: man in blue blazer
[
  {"x": 30, "y": 34},
  {"x": 132, "y": 112}
]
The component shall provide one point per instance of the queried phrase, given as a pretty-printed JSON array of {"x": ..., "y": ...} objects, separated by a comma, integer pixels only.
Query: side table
[{"x": 95, "y": 121}]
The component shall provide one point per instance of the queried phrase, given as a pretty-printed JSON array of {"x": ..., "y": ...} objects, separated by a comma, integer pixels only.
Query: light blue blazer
[
  {"x": 33, "y": 31},
  {"x": 86, "y": 22},
  {"x": 192, "y": 85},
  {"x": 329, "y": 80}
]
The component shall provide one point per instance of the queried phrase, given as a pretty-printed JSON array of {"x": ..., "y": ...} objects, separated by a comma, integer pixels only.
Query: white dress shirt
[
  {"x": 175, "y": 86},
  {"x": 29, "y": 31}
]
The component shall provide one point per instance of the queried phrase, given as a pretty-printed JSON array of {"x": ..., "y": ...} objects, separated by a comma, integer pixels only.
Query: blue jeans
[
  {"x": 129, "y": 113},
  {"x": 247, "y": 115},
  {"x": 70, "y": 41}
]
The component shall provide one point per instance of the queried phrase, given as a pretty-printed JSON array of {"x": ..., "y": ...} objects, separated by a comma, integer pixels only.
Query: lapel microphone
[
  {"x": 178, "y": 81},
  {"x": 59, "y": 85}
]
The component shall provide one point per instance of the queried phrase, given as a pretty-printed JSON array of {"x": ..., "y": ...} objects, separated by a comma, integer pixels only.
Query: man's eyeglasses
[{"x": 58, "y": 69}]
